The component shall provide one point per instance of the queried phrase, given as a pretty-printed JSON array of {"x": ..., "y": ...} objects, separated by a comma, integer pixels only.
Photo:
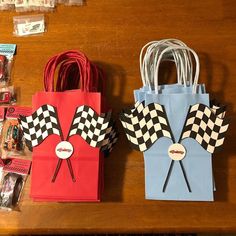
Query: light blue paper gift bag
[
  {"x": 191, "y": 181},
  {"x": 176, "y": 169}
]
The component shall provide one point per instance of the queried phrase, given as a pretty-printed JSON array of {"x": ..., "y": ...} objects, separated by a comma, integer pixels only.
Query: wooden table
[{"x": 112, "y": 34}]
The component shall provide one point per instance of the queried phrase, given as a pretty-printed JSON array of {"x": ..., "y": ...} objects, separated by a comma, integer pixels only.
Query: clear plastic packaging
[
  {"x": 7, "y": 4},
  {"x": 74, "y": 2},
  {"x": 35, "y": 5},
  {"x": 48, "y": 5},
  {"x": 7, "y": 96},
  {"x": 13, "y": 175},
  {"x": 29, "y": 25},
  {"x": 12, "y": 140},
  {"x": 7, "y": 52},
  {"x": 22, "y": 5}
]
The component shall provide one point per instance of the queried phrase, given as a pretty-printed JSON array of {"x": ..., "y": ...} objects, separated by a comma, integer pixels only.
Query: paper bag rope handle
[
  {"x": 150, "y": 53},
  {"x": 171, "y": 48},
  {"x": 75, "y": 70},
  {"x": 69, "y": 77}
]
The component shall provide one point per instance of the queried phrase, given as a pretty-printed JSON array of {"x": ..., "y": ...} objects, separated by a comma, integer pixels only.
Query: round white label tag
[
  {"x": 64, "y": 150},
  {"x": 176, "y": 151}
]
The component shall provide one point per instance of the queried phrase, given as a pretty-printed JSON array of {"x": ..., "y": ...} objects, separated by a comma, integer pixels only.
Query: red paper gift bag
[{"x": 77, "y": 177}]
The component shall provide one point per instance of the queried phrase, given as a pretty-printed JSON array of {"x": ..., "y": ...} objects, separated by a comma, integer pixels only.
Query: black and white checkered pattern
[
  {"x": 110, "y": 139},
  {"x": 144, "y": 125},
  {"x": 90, "y": 126},
  {"x": 207, "y": 128},
  {"x": 135, "y": 110},
  {"x": 40, "y": 124},
  {"x": 218, "y": 109}
]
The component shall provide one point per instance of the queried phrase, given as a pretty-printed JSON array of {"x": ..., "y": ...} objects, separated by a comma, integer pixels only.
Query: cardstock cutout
[
  {"x": 64, "y": 150},
  {"x": 97, "y": 131},
  {"x": 169, "y": 173},
  {"x": 218, "y": 108},
  {"x": 90, "y": 126},
  {"x": 145, "y": 125},
  {"x": 40, "y": 125},
  {"x": 176, "y": 151},
  {"x": 110, "y": 139},
  {"x": 135, "y": 110},
  {"x": 59, "y": 162},
  {"x": 206, "y": 126}
]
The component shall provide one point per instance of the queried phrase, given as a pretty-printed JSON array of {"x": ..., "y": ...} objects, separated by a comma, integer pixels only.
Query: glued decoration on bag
[
  {"x": 110, "y": 139},
  {"x": 40, "y": 124},
  {"x": 90, "y": 126},
  {"x": 96, "y": 130},
  {"x": 86, "y": 123},
  {"x": 145, "y": 126},
  {"x": 135, "y": 110},
  {"x": 218, "y": 108},
  {"x": 206, "y": 125}
]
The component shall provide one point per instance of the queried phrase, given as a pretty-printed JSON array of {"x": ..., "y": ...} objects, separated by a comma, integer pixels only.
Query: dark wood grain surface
[{"x": 112, "y": 32}]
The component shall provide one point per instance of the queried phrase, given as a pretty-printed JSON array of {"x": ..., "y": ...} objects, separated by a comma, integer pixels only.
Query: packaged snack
[
  {"x": 28, "y": 25},
  {"x": 13, "y": 175},
  {"x": 7, "y": 52},
  {"x": 22, "y": 5},
  {"x": 6, "y": 4},
  {"x": 7, "y": 95},
  {"x": 48, "y": 5},
  {"x": 12, "y": 142},
  {"x": 74, "y": 2}
]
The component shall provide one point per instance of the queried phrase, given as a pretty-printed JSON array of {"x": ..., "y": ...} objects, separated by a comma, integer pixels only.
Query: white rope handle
[
  {"x": 142, "y": 65},
  {"x": 170, "y": 48},
  {"x": 145, "y": 60},
  {"x": 182, "y": 60}
]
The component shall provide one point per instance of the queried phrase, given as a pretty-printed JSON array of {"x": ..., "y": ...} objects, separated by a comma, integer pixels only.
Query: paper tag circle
[
  {"x": 64, "y": 150},
  {"x": 176, "y": 151}
]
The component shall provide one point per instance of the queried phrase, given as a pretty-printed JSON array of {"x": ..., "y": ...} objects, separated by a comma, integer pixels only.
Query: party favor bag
[
  {"x": 178, "y": 132},
  {"x": 68, "y": 132}
]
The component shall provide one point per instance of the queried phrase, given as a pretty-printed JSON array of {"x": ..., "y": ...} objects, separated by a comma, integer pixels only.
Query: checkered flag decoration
[
  {"x": 218, "y": 109},
  {"x": 110, "y": 140},
  {"x": 135, "y": 110},
  {"x": 42, "y": 123},
  {"x": 96, "y": 130},
  {"x": 206, "y": 125},
  {"x": 144, "y": 125}
]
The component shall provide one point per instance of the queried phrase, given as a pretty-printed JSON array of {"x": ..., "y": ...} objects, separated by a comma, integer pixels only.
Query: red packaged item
[
  {"x": 12, "y": 141},
  {"x": 7, "y": 95},
  {"x": 67, "y": 131},
  {"x": 13, "y": 175}
]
